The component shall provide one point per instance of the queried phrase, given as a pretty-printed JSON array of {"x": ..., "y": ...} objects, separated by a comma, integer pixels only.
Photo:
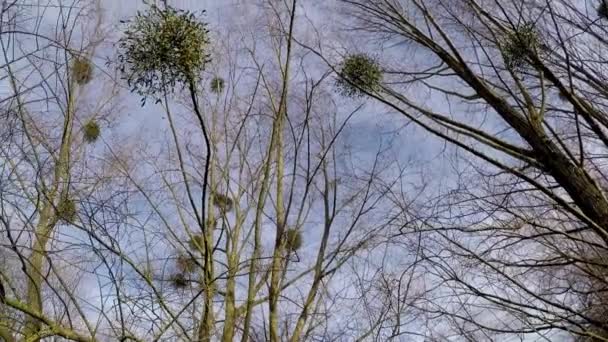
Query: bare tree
[
  {"x": 284, "y": 213},
  {"x": 517, "y": 245}
]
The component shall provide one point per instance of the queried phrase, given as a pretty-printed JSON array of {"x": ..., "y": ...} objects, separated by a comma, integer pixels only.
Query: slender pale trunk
[
  {"x": 277, "y": 258},
  {"x": 318, "y": 276},
  {"x": 207, "y": 324},
  {"x": 232, "y": 260},
  {"x": 208, "y": 320},
  {"x": 278, "y": 255},
  {"x": 257, "y": 226},
  {"x": 35, "y": 270},
  {"x": 229, "y": 318},
  {"x": 46, "y": 223}
]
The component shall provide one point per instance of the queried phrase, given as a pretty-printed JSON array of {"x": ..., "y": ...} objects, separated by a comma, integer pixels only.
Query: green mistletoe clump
[
  {"x": 162, "y": 49},
  {"x": 359, "y": 74},
  {"x": 82, "y": 70},
  {"x": 518, "y": 45},
  {"x": 293, "y": 239},
  {"x": 91, "y": 131},
  {"x": 66, "y": 210},
  {"x": 217, "y": 85}
]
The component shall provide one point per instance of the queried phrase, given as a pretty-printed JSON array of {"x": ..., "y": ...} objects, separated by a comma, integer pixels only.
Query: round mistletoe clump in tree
[
  {"x": 217, "y": 85},
  {"x": 359, "y": 74},
  {"x": 66, "y": 210},
  {"x": 293, "y": 239},
  {"x": 223, "y": 202},
  {"x": 91, "y": 131},
  {"x": 179, "y": 280},
  {"x": 185, "y": 263},
  {"x": 82, "y": 70},
  {"x": 162, "y": 49},
  {"x": 519, "y": 44}
]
